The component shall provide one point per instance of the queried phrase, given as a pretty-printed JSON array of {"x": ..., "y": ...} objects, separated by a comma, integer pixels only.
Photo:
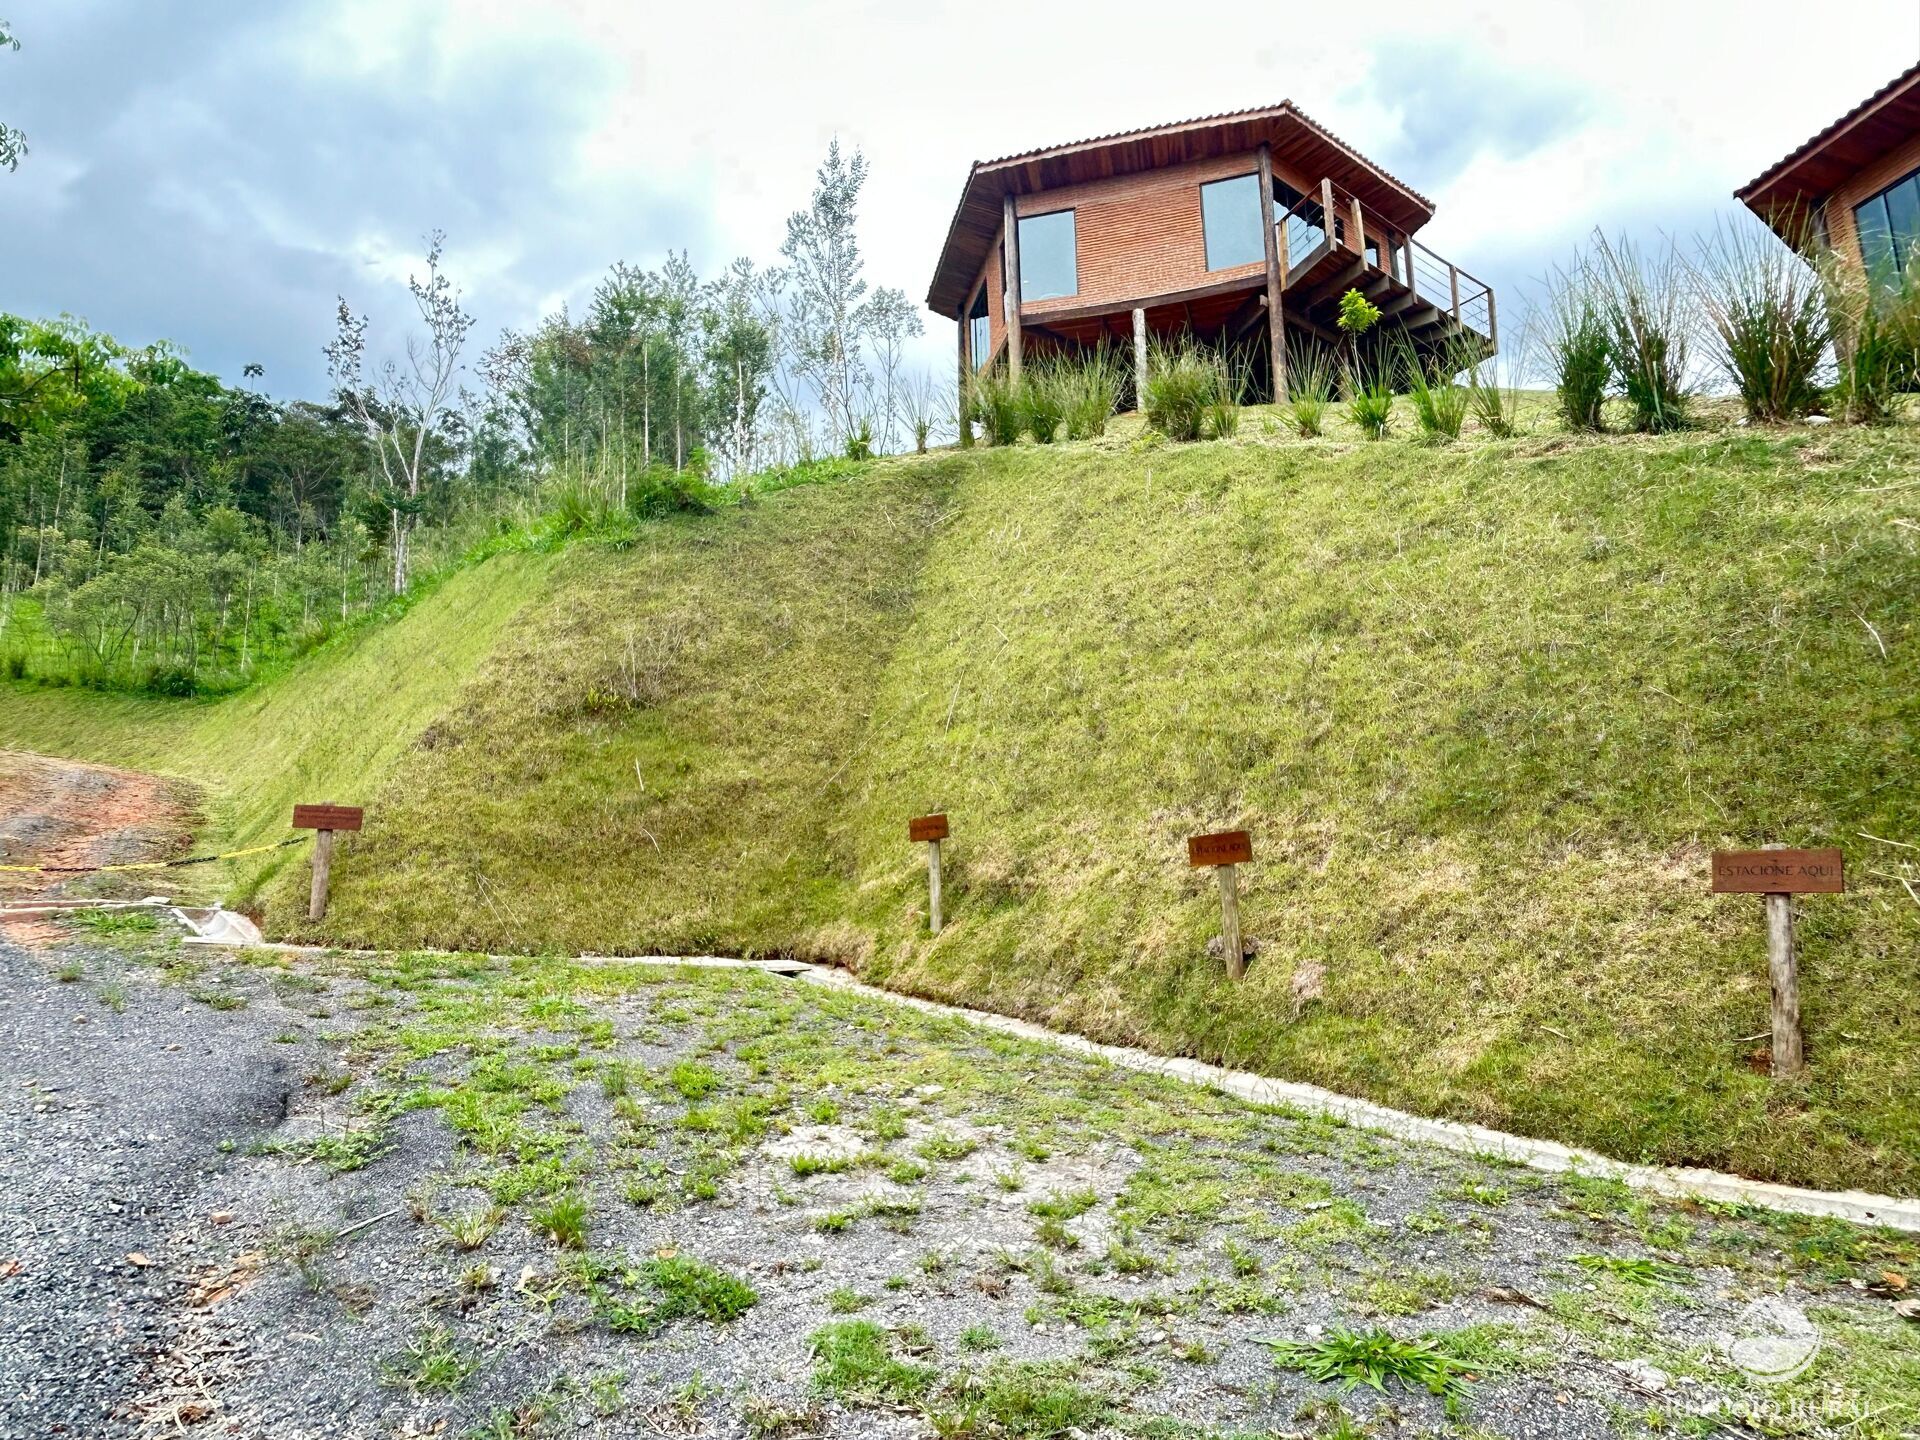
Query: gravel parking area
[{"x": 418, "y": 1196}]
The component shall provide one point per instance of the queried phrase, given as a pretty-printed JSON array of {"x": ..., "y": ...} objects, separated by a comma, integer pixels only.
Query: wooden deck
[{"x": 1327, "y": 246}]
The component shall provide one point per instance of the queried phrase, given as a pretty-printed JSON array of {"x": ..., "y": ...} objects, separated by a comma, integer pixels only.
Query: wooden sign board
[
  {"x": 1778, "y": 872},
  {"x": 326, "y": 817},
  {"x": 927, "y": 827},
  {"x": 1227, "y": 847}
]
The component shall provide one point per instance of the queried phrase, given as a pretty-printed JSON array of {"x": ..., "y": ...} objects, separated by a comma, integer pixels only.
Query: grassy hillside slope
[
  {"x": 659, "y": 756},
  {"x": 1486, "y": 709},
  {"x": 329, "y": 729}
]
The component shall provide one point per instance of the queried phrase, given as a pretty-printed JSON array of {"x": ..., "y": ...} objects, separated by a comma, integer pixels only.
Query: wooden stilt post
[
  {"x": 1139, "y": 358},
  {"x": 1783, "y": 968},
  {"x": 1010, "y": 290},
  {"x": 323, "y": 820},
  {"x": 1276, "y": 322},
  {"x": 1230, "y": 920},
  {"x": 931, "y": 829}
]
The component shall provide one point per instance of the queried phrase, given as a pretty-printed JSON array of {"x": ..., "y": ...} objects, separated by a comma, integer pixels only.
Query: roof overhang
[
  {"x": 1298, "y": 143},
  {"x": 1786, "y": 192}
]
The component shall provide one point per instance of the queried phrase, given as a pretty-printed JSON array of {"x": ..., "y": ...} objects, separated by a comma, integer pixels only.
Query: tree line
[{"x": 162, "y": 530}]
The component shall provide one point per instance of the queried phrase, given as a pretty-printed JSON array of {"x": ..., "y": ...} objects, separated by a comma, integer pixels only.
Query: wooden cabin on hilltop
[{"x": 1165, "y": 231}]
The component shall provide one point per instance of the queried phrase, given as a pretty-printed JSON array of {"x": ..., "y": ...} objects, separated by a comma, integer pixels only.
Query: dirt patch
[{"x": 57, "y": 812}]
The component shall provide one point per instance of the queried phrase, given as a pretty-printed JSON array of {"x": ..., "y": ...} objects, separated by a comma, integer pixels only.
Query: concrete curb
[{"x": 1857, "y": 1206}]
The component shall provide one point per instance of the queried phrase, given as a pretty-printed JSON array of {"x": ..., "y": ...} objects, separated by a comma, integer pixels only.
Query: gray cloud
[
  {"x": 1455, "y": 102},
  {"x": 190, "y": 179}
]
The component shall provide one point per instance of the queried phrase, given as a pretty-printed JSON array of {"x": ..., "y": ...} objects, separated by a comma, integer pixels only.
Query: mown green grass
[
  {"x": 329, "y": 729},
  {"x": 1486, "y": 708}
]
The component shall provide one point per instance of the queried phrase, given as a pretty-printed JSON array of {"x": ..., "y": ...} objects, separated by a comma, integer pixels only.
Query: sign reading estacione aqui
[
  {"x": 327, "y": 817},
  {"x": 1778, "y": 872},
  {"x": 1225, "y": 847}
]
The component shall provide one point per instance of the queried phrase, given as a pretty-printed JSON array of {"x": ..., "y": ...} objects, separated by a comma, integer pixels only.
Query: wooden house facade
[{"x": 1163, "y": 231}]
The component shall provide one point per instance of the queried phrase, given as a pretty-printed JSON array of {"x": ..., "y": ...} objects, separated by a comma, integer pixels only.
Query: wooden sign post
[
  {"x": 323, "y": 819},
  {"x": 1779, "y": 874},
  {"x": 932, "y": 829},
  {"x": 1225, "y": 851}
]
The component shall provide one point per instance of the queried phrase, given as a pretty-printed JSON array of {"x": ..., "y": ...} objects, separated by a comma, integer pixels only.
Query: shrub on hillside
[
  {"x": 1190, "y": 392},
  {"x": 1768, "y": 318},
  {"x": 859, "y": 442},
  {"x": 996, "y": 407},
  {"x": 1578, "y": 353},
  {"x": 1090, "y": 392},
  {"x": 1647, "y": 305},
  {"x": 1042, "y": 401},
  {"x": 662, "y": 490},
  {"x": 1433, "y": 384},
  {"x": 1370, "y": 404},
  {"x": 1877, "y": 336},
  {"x": 1494, "y": 403},
  {"x": 1309, "y": 387}
]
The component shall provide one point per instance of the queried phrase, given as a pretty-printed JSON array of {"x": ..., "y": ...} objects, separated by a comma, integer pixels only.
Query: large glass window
[
  {"x": 1889, "y": 226},
  {"x": 1230, "y": 218},
  {"x": 979, "y": 331},
  {"x": 1047, "y": 264}
]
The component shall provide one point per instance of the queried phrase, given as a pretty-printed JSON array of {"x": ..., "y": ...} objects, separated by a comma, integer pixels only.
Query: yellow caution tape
[{"x": 149, "y": 864}]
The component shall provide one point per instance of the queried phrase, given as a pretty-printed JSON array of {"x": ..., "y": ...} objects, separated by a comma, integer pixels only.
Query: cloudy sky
[{"x": 216, "y": 173}]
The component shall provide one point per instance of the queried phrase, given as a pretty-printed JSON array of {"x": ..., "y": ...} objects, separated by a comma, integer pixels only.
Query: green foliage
[
  {"x": 1310, "y": 386},
  {"x": 997, "y": 404},
  {"x": 690, "y": 1288},
  {"x": 1635, "y": 1270},
  {"x": 1440, "y": 401},
  {"x": 563, "y": 1220},
  {"x": 853, "y": 1360},
  {"x": 1768, "y": 314},
  {"x": 432, "y": 1363},
  {"x": 1877, "y": 325},
  {"x": 1494, "y": 404},
  {"x": 1352, "y": 1358},
  {"x": 1090, "y": 387},
  {"x": 1190, "y": 392},
  {"x": 1647, "y": 304},
  {"x": 859, "y": 442},
  {"x": 1579, "y": 349},
  {"x": 1358, "y": 314},
  {"x": 1043, "y": 403},
  {"x": 1370, "y": 406}
]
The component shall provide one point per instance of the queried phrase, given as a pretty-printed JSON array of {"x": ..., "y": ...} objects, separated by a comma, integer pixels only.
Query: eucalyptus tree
[
  {"x": 399, "y": 409},
  {"x": 825, "y": 317}
]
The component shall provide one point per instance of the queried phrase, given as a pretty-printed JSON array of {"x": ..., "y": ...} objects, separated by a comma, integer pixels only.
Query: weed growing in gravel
[
  {"x": 979, "y": 1337},
  {"x": 113, "y": 995},
  {"x": 1635, "y": 1270},
  {"x": 564, "y": 1220},
  {"x": 853, "y": 1360},
  {"x": 107, "y": 924},
  {"x": 685, "y": 1288},
  {"x": 693, "y": 1080},
  {"x": 431, "y": 1364},
  {"x": 944, "y": 1146},
  {"x": 470, "y": 1229},
  {"x": 804, "y": 1164},
  {"x": 1373, "y": 1357},
  {"x": 842, "y": 1301}
]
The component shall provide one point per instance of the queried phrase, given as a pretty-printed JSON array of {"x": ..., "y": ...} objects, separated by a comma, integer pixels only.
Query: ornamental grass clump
[
  {"x": 997, "y": 407},
  {"x": 1090, "y": 392},
  {"x": 1768, "y": 317},
  {"x": 1647, "y": 305},
  {"x": 1190, "y": 392},
  {"x": 1309, "y": 388},
  {"x": 1041, "y": 399},
  {"x": 1579, "y": 355},
  {"x": 1439, "y": 399},
  {"x": 1876, "y": 321}
]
